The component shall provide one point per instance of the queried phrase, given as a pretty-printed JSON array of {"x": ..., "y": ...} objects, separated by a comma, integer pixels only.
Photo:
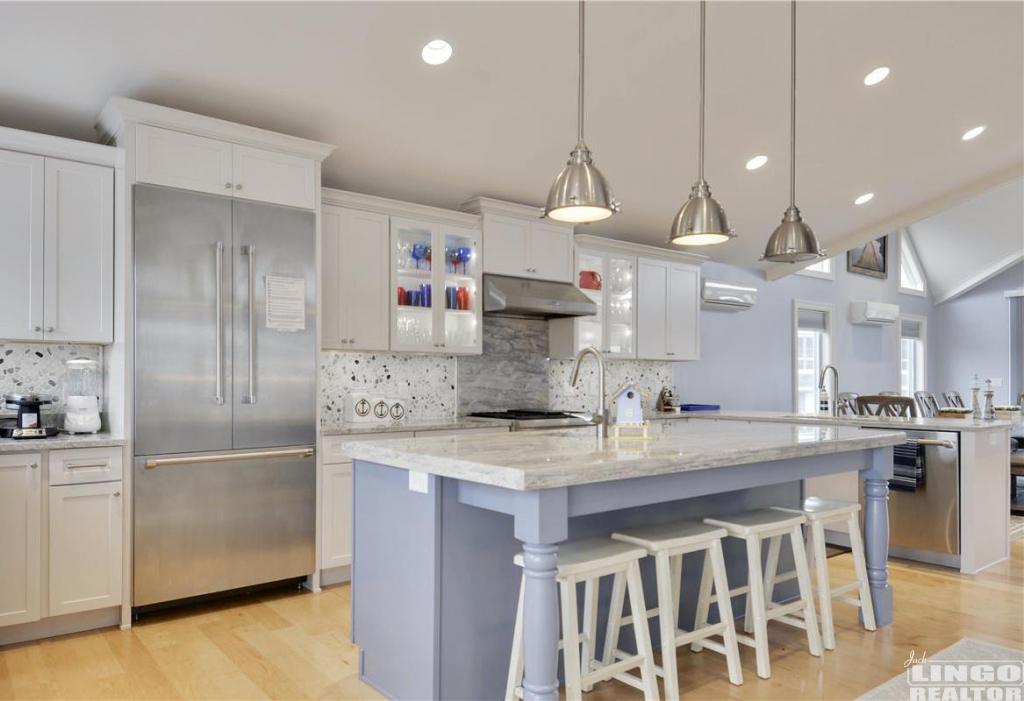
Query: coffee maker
[{"x": 29, "y": 422}]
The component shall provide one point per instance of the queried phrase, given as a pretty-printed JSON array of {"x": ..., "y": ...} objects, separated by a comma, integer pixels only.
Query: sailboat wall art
[{"x": 870, "y": 259}]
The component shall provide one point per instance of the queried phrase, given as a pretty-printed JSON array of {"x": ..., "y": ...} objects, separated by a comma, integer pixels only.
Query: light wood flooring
[{"x": 294, "y": 645}]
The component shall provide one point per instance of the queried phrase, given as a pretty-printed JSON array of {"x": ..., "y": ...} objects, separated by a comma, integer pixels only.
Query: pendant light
[
  {"x": 580, "y": 194},
  {"x": 793, "y": 241},
  {"x": 701, "y": 221}
]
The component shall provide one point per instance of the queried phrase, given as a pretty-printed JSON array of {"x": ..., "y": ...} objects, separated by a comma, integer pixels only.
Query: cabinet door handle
[
  {"x": 50, "y": 329},
  {"x": 351, "y": 340},
  {"x": 37, "y": 329},
  {"x": 33, "y": 465},
  {"x": 238, "y": 186},
  {"x": 117, "y": 494},
  {"x": 227, "y": 185}
]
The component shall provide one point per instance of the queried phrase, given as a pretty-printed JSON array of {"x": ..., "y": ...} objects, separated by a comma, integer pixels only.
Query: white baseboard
[
  {"x": 335, "y": 575},
  {"x": 60, "y": 625}
]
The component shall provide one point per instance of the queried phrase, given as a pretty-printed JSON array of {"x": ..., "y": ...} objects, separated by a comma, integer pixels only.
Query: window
[
  {"x": 911, "y": 277},
  {"x": 812, "y": 351},
  {"x": 822, "y": 269},
  {"x": 912, "y": 354}
]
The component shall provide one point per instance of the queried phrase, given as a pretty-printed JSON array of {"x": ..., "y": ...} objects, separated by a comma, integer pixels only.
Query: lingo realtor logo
[{"x": 964, "y": 680}]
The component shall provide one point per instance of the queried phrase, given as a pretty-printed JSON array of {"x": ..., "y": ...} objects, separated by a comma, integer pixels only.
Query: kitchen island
[{"x": 437, "y": 522}]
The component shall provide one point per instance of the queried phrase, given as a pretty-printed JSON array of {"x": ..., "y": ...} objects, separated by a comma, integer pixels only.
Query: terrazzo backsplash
[
  {"x": 514, "y": 372},
  {"x": 38, "y": 368},
  {"x": 425, "y": 382},
  {"x": 648, "y": 375}
]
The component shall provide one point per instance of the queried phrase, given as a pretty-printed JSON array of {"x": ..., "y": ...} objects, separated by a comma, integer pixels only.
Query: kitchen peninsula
[{"x": 438, "y": 520}]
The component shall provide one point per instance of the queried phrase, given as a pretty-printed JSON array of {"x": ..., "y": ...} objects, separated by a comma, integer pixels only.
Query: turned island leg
[{"x": 876, "y": 533}]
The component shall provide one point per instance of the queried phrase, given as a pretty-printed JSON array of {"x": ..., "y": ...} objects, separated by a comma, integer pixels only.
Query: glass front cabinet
[
  {"x": 609, "y": 279},
  {"x": 436, "y": 287}
]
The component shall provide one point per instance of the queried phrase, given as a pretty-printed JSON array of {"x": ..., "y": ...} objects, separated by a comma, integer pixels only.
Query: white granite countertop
[
  {"x": 530, "y": 460},
  {"x": 466, "y": 422},
  {"x": 814, "y": 419},
  {"x": 59, "y": 442}
]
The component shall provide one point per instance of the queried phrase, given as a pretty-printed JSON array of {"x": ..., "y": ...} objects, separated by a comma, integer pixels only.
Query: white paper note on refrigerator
[{"x": 286, "y": 303}]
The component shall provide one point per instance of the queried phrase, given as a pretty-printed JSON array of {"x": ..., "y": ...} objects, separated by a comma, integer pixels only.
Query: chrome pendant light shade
[
  {"x": 793, "y": 241},
  {"x": 580, "y": 193},
  {"x": 701, "y": 221}
]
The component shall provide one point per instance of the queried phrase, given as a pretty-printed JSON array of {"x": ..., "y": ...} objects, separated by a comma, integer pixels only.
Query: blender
[{"x": 82, "y": 396}]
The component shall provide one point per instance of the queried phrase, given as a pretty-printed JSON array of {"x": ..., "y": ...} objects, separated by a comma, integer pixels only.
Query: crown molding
[
  {"x": 489, "y": 205},
  {"x": 59, "y": 147},
  {"x": 637, "y": 249},
  {"x": 398, "y": 208},
  {"x": 121, "y": 111}
]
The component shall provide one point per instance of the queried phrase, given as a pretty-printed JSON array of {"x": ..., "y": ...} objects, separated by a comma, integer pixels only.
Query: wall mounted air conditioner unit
[
  {"x": 874, "y": 313},
  {"x": 726, "y": 297}
]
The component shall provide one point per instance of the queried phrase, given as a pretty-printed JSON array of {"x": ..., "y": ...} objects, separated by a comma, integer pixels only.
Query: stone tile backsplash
[
  {"x": 39, "y": 368},
  {"x": 511, "y": 373},
  {"x": 425, "y": 382},
  {"x": 648, "y": 375}
]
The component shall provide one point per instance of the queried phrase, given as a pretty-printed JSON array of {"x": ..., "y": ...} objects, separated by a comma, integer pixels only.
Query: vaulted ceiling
[{"x": 499, "y": 118}]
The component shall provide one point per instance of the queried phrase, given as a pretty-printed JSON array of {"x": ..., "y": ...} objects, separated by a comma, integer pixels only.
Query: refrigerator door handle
[
  {"x": 228, "y": 457},
  {"x": 250, "y": 251},
  {"x": 219, "y": 262}
]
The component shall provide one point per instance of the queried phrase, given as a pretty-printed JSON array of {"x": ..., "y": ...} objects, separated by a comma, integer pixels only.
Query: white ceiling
[
  {"x": 962, "y": 247},
  {"x": 499, "y": 118}
]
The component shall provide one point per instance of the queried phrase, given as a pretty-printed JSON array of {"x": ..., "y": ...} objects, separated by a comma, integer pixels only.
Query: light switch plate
[{"x": 419, "y": 482}]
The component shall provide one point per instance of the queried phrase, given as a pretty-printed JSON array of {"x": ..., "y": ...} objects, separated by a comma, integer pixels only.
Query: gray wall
[
  {"x": 746, "y": 357},
  {"x": 971, "y": 334}
]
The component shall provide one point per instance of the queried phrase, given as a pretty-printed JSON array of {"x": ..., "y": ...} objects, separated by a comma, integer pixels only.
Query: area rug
[
  {"x": 898, "y": 688},
  {"x": 1016, "y": 527}
]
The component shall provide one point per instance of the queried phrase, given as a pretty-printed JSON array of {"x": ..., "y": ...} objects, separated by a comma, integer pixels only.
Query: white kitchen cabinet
[
  {"x": 355, "y": 287},
  {"x": 186, "y": 161},
  {"x": 668, "y": 310},
  {"x": 199, "y": 163},
  {"x": 523, "y": 248},
  {"x": 21, "y": 236},
  {"x": 85, "y": 547},
  {"x": 435, "y": 269},
  {"x": 278, "y": 178},
  {"x": 81, "y": 465},
  {"x": 336, "y": 515},
  {"x": 608, "y": 278},
  {"x": 78, "y": 253},
  {"x": 20, "y": 538},
  {"x": 517, "y": 242}
]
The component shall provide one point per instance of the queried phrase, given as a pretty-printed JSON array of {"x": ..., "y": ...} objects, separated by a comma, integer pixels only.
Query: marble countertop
[
  {"x": 865, "y": 421},
  {"x": 467, "y": 422},
  {"x": 59, "y": 442},
  {"x": 530, "y": 460}
]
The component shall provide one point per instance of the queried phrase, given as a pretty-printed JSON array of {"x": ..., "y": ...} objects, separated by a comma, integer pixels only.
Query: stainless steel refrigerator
[{"x": 224, "y": 395}]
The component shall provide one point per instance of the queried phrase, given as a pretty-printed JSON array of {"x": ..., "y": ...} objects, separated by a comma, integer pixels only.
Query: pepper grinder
[
  {"x": 975, "y": 400},
  {"x": 990, "y": 410}
]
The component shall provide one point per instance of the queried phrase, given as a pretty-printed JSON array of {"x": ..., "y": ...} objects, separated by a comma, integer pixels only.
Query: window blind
[
  {"x": 811, "y": 320},
  {"x": 910, "y": 329}
]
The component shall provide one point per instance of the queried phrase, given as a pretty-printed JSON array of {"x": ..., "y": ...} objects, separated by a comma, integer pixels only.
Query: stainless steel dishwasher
[{"x": 924, "y": 525}]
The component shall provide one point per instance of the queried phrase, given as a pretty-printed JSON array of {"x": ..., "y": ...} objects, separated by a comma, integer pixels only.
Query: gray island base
[{"x": 437, "y": 522}]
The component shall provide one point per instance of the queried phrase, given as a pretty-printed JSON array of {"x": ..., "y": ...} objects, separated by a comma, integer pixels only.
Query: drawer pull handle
[{"x": 80, "y": 465}]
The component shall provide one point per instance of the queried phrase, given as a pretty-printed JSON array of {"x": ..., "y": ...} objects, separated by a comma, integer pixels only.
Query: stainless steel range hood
[{"x": 536, "y": 299}]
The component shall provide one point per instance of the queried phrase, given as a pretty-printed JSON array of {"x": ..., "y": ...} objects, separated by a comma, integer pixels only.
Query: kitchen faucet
[
  {"x": 834, "y": 405},
  {"x": 601, "y": 416}
]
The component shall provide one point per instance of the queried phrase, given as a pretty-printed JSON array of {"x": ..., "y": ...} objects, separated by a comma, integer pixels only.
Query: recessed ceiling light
[
  {"x": 971, "y": 133},
  {"x": 866, "y": 197},
  {"x": 437, "y": 52},
  {"x": 756, "y": 162},
  {"x": 876, "y": 76}
]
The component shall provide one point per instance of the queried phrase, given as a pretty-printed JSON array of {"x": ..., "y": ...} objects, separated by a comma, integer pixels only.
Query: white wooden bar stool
[
  {"x": 587, "y": 561},
  {"x": 820, "y": 512},
  {"x": 753, "y": 527},
  {"x": 667, "y": 543}
]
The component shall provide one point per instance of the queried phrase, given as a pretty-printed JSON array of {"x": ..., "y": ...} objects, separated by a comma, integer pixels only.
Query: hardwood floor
[{"x": 294, "y": 645}]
